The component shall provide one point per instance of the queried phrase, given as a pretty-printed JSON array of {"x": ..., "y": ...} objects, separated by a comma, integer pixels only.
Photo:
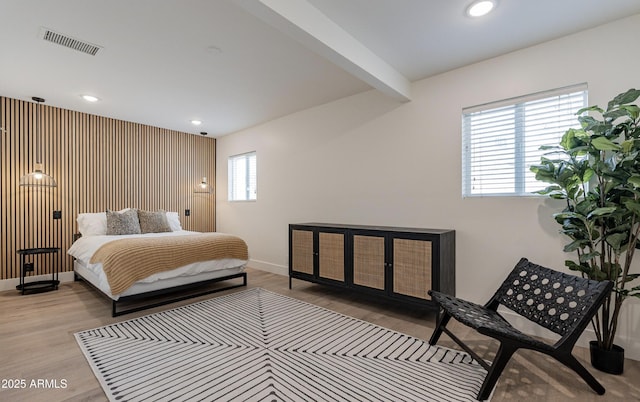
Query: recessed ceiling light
[
  {"x": 196, "y": 122},
  {"x": 90, "y": 98},
  {"x": 480, "y": 8}
]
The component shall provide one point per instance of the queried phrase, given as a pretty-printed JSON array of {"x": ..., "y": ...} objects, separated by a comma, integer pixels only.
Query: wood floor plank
[{"x": 37, "y": 343}]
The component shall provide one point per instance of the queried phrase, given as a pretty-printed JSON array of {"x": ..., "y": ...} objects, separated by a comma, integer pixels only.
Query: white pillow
[
  {"x": 174, "y": 221},
  {"x": 93, "y": 223}
]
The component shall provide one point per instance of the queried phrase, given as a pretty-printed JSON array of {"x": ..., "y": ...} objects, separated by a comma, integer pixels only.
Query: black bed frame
[
  {"x": 160, "y": 292},
  {"x": 114, "y": 306}
]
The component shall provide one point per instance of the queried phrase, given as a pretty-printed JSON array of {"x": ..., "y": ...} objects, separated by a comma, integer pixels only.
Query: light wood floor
[{"x": 37, "y": 342}]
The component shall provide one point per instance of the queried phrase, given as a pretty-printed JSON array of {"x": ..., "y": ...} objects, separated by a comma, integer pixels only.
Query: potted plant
[{"x": 596, "y": 170}]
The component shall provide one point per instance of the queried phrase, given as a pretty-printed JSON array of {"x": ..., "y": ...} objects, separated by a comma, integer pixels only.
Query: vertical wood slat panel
[{"x": 99, "y": 163}]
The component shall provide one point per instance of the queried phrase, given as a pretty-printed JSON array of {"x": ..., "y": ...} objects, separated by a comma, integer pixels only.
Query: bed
[{"x": 145, "y": 267}]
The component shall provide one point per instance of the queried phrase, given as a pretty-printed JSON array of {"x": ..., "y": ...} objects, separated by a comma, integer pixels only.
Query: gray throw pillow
[
  {"x": 153, "y": 222},
  {"x": 122, "y": 223}
]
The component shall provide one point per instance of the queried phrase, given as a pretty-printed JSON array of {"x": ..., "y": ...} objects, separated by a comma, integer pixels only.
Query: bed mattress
[{"x": 83, "y": 249}]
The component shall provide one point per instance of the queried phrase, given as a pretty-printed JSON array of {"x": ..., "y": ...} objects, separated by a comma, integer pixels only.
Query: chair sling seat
[{"x": 484, "y": 320}]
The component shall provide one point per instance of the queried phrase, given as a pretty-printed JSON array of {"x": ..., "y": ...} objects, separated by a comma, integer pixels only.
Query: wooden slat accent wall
[{"x": 99, "y": 163}]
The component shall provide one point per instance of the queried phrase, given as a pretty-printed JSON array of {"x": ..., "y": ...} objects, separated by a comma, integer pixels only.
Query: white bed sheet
[
  {"x": 83, "y": 248},
  {"x": 144, "y": 287}
]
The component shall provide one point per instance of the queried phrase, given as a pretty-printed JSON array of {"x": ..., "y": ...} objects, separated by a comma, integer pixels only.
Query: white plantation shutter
[
  {"x": 501, "y": 140},
  {"x": 242, "y": 177}
]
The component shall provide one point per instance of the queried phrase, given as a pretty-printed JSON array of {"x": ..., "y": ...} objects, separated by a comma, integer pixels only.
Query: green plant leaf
[
  {"x": 624, "y": 98},
  {"x": 631, "y": 158},
  {"x": 632, "y": 110},
  {"x": 633, "y": 206},
  {"x": 548, "y": 190},
  {"x": 550, "y": 147},
  {"x": 627, "y": 146},
  {"x": 572, "y": 265},
  {"x": 585, "y": 207},
  {"x": 588, "y": 174},
  {"x": 588, "y": 256},
  {"x": 616, "y": 114},
  {"x": 588, "y": 270},
  {"x": 604, "y": 144},
  {"x": 573, "y": 138},
  {"x": 562, "y": 216},
  {"x": 601, "y": 212},
  {"x": 616, "y": 240},
  {"x": 587, "y": 122},
  {"x": 576, "y": 244},
  {"x": 634, "y": 180},
  {"x": 590, "y": 109}
]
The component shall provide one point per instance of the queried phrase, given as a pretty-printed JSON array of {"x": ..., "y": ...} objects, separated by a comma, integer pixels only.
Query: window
[
  {"x": 501, "y": 140},
  {"x": 242, "y": 177}
]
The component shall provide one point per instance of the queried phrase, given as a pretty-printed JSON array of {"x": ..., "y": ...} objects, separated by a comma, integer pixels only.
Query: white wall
[{"x": 368, "y": 159}]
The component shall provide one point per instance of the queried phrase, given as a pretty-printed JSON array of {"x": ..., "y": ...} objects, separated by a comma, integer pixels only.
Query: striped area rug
[{"x": 257, "y": 345}]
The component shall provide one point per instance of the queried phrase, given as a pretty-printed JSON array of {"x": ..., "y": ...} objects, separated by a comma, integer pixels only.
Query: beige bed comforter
[{"x": 127, "y": 261}]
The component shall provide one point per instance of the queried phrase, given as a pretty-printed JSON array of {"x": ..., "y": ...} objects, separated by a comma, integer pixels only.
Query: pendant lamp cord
[{"x": 38, "y": 123}]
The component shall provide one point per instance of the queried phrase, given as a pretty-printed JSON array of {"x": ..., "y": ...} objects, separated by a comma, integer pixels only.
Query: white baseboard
[
  {"x": 269, "y": 267},
  {"x": 9, "y": 284}
]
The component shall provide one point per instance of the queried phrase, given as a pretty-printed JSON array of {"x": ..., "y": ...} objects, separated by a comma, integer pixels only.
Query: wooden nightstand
[{"x": 38, "y": 286}]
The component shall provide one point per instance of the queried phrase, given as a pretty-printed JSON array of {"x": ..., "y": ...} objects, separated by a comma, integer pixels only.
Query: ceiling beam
[{"x": 316, "y": 31}]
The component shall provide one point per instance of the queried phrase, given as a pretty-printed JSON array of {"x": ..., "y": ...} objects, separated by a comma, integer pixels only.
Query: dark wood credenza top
[{"x": 375, "y": 228}]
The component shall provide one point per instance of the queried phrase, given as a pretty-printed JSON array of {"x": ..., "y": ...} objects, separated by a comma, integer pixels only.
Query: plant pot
[{"x": 608, "y": 361}]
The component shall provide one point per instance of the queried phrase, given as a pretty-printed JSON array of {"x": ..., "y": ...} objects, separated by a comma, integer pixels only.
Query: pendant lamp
[
  {"x": 38, "y": 178},
  {"x": 203, "y": 187}
]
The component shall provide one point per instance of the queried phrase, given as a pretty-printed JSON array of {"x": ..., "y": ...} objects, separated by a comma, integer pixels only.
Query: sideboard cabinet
[{"x": 391, "y": 262}]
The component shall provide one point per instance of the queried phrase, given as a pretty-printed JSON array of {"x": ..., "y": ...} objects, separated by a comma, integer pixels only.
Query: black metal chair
[{"x": 557, "y": 301}]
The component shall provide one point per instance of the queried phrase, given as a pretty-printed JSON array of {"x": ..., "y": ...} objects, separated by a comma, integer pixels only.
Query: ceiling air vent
[{"x": 67, "y": 41}]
